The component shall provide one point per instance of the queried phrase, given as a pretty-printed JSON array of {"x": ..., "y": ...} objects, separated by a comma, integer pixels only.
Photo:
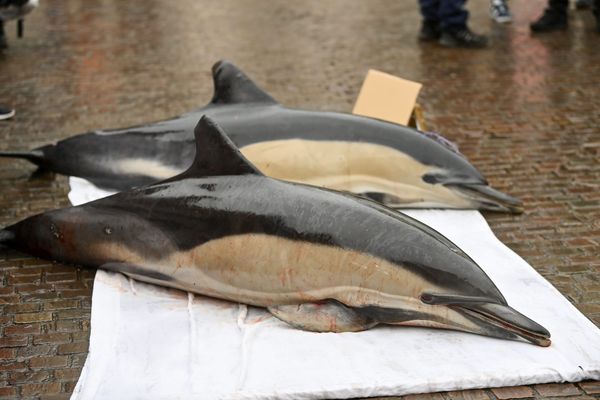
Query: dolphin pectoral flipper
[
  {"x": 324, "y": 316},
  {"x": 137, "y": 272}
]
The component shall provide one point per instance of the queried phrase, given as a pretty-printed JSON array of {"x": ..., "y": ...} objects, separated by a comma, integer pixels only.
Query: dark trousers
[
  {"x": 561, "y": 6},
  {"x": 450, "y": 14}
]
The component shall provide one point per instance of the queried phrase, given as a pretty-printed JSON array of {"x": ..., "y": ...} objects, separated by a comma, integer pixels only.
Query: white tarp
[{"x": 152, "y": 342}]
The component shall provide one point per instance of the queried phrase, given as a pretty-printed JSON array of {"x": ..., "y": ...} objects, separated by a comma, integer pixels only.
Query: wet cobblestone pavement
[{"x": 526, "y": 111}]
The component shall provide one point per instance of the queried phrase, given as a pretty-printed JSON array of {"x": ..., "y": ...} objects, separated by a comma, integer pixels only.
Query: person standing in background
[
  {"x": 13, "y": 9},
  {"x": 3, "y": 42},
  {"x": 555, "y": 15},
  {"x": 445, "y": 21}
]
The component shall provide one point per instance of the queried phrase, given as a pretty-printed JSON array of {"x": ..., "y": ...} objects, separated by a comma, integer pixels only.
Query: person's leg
[
  {"x": 583, "y": 4},
  {"x": 597, "y": 14},
  {"x": 453, "y": 16},
  {"x": 554, "y": 17},
  {"x": 453, "y": 22},
  {"x": 559, "y": 6},
  {"x": 499, "y": 11},
  {"x": 3, "y": 42},
  {"x": 430, "y": 29}
]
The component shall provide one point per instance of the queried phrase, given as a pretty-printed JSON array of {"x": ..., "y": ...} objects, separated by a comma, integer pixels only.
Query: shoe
[
  {"x": 430, "y": 31},
  {"x": 583, "y": 4},
  {"x": 463, "y": 37},
  {"x": 6, "y": 113},
  {"x": 3, "y": 42},
  {"x": 551, "y": 20},
  {"x": 500, "y": 12}
]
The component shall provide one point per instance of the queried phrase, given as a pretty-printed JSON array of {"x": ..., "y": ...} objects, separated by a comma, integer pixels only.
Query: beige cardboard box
[{"x": 389, "y": 98}]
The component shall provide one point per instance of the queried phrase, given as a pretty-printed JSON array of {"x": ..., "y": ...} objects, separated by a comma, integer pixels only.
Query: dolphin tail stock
[{"x": 34, "y": 156}]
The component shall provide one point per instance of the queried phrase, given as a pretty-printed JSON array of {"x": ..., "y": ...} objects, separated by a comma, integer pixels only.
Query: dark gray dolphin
[
  {"x": 318, "y": 259},
  {"x": 390, "y": 163}
]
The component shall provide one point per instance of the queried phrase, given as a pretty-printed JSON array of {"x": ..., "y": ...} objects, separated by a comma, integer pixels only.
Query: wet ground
[{"x": 526, "y": 111}]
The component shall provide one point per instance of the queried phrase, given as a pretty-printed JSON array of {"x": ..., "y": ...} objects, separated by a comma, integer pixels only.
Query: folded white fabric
[{"x": 152, "y": 342}]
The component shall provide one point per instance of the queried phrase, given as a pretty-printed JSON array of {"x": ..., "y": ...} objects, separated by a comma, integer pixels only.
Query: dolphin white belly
[{"x": 355, "y": 167}]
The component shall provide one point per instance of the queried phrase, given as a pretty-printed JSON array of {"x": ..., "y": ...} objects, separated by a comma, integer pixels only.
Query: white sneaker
[
  {"x": 500, "y": 12},
  {"x": 6, "y": 113}
]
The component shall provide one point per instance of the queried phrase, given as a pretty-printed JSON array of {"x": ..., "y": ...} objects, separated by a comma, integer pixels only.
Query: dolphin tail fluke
[
  {"x": 34, "y": 156},
  {"x": 323, "y": 316}
]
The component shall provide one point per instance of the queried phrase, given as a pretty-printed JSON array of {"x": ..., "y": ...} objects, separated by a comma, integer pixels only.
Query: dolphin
[
  {"x": 317, "y": 259},
  {"x": 393, "y": 164}
]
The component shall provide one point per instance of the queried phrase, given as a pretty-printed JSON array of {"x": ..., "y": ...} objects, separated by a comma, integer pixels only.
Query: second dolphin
[{"x": 390, "y": 163}]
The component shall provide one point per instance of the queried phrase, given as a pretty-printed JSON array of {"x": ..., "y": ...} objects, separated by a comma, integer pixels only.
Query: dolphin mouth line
[
  {"x": 534, "y": 337},
  {"x": 488, "y": 198}
]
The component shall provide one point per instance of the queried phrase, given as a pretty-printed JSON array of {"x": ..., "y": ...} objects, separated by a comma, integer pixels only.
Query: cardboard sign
[{"x": 387, "y": 97}]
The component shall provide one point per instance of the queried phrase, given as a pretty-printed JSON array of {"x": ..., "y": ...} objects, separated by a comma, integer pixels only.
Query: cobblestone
[
  {"x": 515, "y": 392},
  {"x": 592, "y": 387},
  {"x": 526, "y": 112}
]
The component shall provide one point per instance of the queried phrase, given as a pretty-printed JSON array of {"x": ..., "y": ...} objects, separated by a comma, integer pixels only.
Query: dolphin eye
[
  {"x": 426, "y": 298},
  {"x": 432, "y": 178}
]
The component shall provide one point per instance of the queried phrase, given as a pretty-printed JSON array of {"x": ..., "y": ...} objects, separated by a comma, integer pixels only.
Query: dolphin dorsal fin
[
  {"x": 233, "y": 86},
  {"x": 216, "y": 154}
]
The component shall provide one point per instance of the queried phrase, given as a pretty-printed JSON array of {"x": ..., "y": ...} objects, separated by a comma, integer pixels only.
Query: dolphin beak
[
  {"x": 487, "y": 198},
  {"x": 502, "y": 321}
]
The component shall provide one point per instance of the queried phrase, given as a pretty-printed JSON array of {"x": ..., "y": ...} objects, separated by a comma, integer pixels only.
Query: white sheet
[{"x": 152, "y": 342}]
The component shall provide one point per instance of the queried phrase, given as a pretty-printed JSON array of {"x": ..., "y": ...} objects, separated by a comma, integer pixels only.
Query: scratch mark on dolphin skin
[
  {"x": 55, "y": 231},
  {"x": 192, "y": 349},
  {"x": 146, "y": 167},
  {"x": 242, "y": 314},
  {"x": 131, "y": 285}
]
